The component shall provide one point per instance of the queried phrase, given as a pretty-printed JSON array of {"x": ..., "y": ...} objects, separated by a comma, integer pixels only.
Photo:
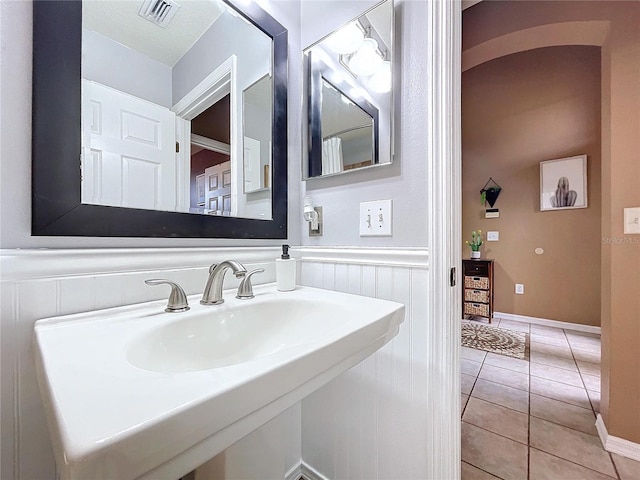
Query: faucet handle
[
  {"x": 177, "y": 299},
  {"x": 245, "y": 289}
]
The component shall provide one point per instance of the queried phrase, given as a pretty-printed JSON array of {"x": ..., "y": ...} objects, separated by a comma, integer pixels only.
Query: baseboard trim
[
  {"x": 310, "y": 473},
  {"x": 547, "y": 323},
  {"x": 617, "y": 445},
  {"x": 304, "y": 471},
  {"x": 294, "y": 473}
]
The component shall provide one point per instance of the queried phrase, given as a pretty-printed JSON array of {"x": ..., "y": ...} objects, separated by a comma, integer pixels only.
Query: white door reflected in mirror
[{"x": 257, "y": 107}]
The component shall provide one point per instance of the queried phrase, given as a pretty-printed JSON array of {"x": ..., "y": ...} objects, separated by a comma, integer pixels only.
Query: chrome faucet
[{"x": 213, "y": 290}]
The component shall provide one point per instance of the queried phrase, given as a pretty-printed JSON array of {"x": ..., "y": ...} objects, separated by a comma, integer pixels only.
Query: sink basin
[
  {"x": 244, "y": 333},
  {"x": 134, "y": 392}
]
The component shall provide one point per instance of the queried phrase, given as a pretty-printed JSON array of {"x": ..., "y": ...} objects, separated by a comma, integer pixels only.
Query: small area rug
[{"x": 495, "y": 340}]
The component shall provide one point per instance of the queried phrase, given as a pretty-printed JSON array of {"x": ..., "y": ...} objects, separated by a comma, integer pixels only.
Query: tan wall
[
  {"x": 620, "y": 289},
  {"x": 517, "y": 111}
]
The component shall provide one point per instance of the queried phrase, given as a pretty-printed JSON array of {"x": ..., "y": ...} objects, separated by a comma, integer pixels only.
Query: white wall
[
  {"x": 371, "y": 422},
  {"x": 15, "y": 140},
  {"x": 404, "y": 181},
  {"x": 112, "y": 64},
  {"x": 209, "y": 52}
]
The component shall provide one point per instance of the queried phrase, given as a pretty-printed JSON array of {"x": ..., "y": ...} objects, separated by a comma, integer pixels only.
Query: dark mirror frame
[
  {"x": 317, "y": 70},
  {"x": 56, "y": 146}
]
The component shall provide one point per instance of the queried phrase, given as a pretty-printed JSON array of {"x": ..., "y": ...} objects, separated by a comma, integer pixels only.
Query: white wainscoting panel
[
  {"x": 372, "y": 422},
  {"x": 44, "y": 283}
]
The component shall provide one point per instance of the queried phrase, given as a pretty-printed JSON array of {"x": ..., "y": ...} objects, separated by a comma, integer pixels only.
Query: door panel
[{"x": 128, "y": 150}]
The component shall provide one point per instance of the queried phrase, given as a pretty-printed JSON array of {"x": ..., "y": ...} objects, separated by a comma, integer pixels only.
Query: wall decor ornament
[
  {"x": 563, "y": 183},
  {"x": 490, "y": 192}
]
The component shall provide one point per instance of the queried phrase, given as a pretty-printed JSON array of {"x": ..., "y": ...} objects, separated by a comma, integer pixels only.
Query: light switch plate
[
  {"x": 520, "y": 288},
  {"x": 632, "y": 221},
  {"x": 493, "y": 236},
  {"x": 376, "y": 218}
]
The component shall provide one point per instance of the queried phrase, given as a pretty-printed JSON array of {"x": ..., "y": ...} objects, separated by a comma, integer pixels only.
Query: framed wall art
[
  {"x": 563, "y": 183},
  {"x": 200, "y": 189}
]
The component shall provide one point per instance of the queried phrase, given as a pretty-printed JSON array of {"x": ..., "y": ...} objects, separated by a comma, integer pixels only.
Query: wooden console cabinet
[{"x": 477, "y": 295}]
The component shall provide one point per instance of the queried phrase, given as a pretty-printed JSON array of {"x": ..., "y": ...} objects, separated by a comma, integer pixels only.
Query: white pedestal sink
[{"x": 134, "y": 392}]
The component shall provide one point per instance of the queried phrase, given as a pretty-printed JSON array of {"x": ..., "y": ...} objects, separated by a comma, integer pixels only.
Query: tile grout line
[
  {"x": 529, "y": 406},
  {"x": 593, "y": 410},
  {"x": 485, "y": 471},
  {"x": 472, "y": 387},
  {"x": 529, "y": 416},
  {"x": 574, "y": 463}
]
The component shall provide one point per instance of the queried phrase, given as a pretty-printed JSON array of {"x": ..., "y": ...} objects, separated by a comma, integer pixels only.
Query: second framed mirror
[{"x": 349, "y": 96}]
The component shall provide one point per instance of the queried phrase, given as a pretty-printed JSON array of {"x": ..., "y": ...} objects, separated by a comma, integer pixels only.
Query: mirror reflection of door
[
  {"x": 128, "y": 158},
  {"x": 210, "y": 156},
  {"x": 257, "y": 108}
]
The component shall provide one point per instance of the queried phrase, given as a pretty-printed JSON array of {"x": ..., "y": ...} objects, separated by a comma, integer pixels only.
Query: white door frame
[
  {"x": 443, "y": 51},
  {"x": 222, "y": 81}
]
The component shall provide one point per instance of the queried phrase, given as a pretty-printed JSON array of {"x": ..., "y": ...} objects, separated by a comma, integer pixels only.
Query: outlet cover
[
  {"x": 376, "y": 218},
  {"x": 493, "y": 236},
  {"x": 632, "y": 221},
  {"x": 520, "y": 288}
]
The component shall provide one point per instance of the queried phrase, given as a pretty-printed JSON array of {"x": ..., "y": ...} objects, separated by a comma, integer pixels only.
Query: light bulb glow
[
  {"x": 380, "y": 82},
  {"x": 366, "y": 60},
  {"x": 346, "y": 40}
]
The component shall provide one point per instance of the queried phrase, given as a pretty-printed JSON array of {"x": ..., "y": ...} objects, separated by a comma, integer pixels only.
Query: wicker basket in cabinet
[{"x": 477, "y": 296}]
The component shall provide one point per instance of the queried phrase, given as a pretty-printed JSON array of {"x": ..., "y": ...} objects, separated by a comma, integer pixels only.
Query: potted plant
[{"x": 475, "y": 243}]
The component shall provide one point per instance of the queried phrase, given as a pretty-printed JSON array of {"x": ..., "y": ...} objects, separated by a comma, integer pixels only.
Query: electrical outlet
[
  {"x": 520, "y": 288},
  {"x": 632, "y": 221}
]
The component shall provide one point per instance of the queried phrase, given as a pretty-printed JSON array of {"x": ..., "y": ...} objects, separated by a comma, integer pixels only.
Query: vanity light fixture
[
  {"x": 346, "y": 40},
  {"x": 367, "y": 59},
  {"x": 310, "y": 214},
  {"x": 313, "y": 215},
  {"x": 380, "y": 82}
]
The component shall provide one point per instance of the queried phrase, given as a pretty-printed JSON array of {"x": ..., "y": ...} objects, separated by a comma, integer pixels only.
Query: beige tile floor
[{"x": 535, "y": 419}]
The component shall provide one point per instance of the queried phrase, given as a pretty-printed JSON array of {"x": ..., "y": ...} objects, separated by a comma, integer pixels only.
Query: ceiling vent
[{"x": 159, "y": 12}]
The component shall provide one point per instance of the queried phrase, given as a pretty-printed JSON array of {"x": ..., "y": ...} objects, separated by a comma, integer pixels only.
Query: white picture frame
[
  {"x": 200, "y": 190},
  {"x": 563, "y": 184}
]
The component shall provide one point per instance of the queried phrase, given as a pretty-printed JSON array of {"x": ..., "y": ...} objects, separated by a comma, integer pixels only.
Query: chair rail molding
[
  {"x": 43, "y": 263},
  {"x": 388, "y": 256}
]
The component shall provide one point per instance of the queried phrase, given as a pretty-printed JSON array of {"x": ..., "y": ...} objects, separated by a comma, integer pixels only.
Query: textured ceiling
[{"x": 119, "y": 20}]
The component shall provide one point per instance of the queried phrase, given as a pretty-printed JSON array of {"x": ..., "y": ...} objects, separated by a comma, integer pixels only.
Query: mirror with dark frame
[
  {"x": 127, "y": 142},
  {"x": 349, "y": 95}
]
